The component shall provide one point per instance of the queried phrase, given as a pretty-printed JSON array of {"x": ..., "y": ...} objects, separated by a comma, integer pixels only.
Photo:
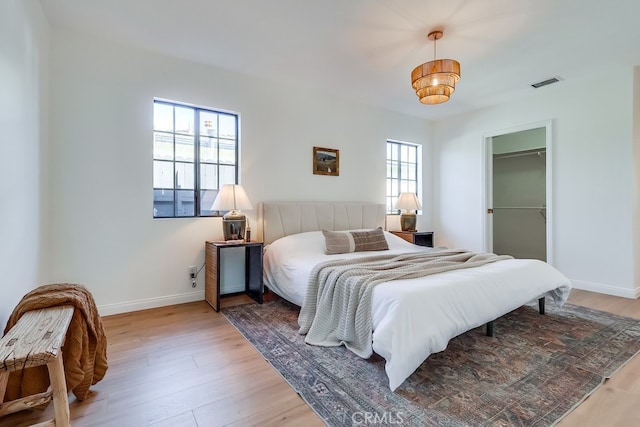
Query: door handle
[{"x": 490, "y": 210}]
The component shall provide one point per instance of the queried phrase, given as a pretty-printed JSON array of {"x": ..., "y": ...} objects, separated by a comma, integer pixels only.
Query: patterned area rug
[{"x": 531, "y": 373}]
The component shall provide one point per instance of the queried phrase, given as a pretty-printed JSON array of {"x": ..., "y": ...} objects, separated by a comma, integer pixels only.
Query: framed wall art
[{"x": 326, "y": 161}]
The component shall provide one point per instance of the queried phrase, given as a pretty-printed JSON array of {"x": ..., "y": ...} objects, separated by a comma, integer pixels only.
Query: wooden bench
[{"x": 35, "y": 340}]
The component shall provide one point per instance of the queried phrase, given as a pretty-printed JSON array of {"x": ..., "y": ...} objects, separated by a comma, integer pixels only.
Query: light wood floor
[{"x": 185, "y": 365}]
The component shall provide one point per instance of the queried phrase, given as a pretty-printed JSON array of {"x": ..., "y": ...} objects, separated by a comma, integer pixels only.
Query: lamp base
[
  {"x": 234, "y": 224},
  {"x": 408, "y": 221}
]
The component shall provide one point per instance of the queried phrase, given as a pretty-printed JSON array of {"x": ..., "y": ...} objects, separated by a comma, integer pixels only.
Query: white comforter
[{"x": 415, "y": 318}]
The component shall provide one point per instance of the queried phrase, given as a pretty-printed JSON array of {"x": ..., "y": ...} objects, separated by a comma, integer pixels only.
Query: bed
[{"x": 409, "y": 318}]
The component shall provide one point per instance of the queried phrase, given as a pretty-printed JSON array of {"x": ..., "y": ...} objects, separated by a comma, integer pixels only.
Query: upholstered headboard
[{"x": 279, "y": 219}]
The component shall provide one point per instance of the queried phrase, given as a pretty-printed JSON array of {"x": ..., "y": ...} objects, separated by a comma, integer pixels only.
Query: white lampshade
[
  {"x": 408, "y": 202},
  {"x": 231, "y": 197}
]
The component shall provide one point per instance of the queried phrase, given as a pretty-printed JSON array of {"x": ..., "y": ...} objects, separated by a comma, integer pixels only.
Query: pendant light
[{"x": 435, "y": 81}]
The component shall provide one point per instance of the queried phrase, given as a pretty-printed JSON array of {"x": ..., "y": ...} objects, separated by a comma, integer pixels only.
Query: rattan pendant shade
[{"x": 435, "y": 81}]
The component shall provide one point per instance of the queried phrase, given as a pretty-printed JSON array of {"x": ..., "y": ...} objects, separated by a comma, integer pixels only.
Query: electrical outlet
[{"x": 193, "y": 270}]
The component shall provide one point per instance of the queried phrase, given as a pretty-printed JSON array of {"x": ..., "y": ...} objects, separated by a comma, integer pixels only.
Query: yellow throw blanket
[{"x": 85, "y": 348}]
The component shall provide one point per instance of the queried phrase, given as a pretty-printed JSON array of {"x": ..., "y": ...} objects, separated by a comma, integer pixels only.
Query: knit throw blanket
[
  {"x": 337, "y": 305},
  {"x": 85, "y": 349}
]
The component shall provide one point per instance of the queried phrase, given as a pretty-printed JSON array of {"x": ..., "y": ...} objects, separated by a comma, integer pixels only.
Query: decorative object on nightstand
[
  {"x": 420, "y": 238},
  {"x": 232, "y": 198},
  {"x": 221, "y": 271},
  {"x": 409, "y": 203}
]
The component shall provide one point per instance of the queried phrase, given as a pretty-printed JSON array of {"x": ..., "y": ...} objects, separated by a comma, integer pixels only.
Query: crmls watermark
[{"x": 373, "y": 418}]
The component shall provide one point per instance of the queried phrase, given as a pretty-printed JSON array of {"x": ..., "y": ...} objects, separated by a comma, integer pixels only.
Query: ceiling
[{"x": 365, "y": 49}]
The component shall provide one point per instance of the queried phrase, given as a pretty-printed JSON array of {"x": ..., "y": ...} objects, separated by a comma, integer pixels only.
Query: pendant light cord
[{"x": 435, "y": 40}]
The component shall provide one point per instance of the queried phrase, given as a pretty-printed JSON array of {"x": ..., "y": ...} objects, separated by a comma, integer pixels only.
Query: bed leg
[
  {"x": 490, "y": 329},
  {"x": 541, "y": 305}
]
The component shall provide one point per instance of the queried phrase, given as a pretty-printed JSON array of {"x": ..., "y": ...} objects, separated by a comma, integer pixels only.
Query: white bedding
[{"x": 415, "y": 318}]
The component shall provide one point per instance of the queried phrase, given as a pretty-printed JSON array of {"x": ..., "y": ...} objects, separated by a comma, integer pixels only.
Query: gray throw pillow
[{"x": 340, "y": 242}]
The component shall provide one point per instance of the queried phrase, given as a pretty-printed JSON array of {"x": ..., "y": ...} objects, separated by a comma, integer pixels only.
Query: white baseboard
[
  {"x": 125, "y": 307},
  {"x": 606, "y": 289}
]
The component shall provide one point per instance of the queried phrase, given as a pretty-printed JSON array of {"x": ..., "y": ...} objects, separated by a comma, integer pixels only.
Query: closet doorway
[{"x": 518, "y": 192}]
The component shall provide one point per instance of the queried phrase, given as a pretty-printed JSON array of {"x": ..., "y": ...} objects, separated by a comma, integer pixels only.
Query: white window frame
[{"x": 404, "y": 171}]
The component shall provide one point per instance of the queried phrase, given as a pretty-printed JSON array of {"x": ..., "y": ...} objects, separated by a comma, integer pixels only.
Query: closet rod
[
  {"x": 520, "y": 154},
  {"x": 521, "y": 207}
]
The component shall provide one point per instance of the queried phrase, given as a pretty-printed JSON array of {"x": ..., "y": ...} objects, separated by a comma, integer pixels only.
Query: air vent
[{"x": 546, "y": 82}]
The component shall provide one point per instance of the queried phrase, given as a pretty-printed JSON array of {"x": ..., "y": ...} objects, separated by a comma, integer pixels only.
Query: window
[
  {"x": 402, "y": 171},
  {"x": 195, "y": 152}
]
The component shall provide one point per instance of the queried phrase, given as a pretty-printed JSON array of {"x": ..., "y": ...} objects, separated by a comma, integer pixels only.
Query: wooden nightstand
[
  {"x": 224, "y": 275},
  {"x": 421, "y": 238}
]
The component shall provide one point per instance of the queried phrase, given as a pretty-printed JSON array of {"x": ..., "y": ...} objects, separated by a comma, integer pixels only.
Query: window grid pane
[
  {"x": 185, "y": 203},
  {"x": 163, "y": 204},
  {"x": 162, "y": 174},
  {"x": 185, "y": 178},
  {"x": 195, "y": 151},
  {"x": 162, "y": 146},
  {"x": 185, "y": 148},
  {"x": 184, "y": 120},
  {"x": 208, "y": 124},
  {"x": 163, "y": 117},
  {"x": 208, "y": 150},
  {"x": 208, "y": 176}
]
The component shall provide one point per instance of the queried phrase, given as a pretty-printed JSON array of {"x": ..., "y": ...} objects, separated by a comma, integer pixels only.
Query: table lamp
[
  {"x": 409, "y": 203},
  {"x": 232, "y": 198}
]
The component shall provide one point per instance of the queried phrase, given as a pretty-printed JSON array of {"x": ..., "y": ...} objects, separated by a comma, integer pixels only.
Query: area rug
[{"x": 531, "y": 373}]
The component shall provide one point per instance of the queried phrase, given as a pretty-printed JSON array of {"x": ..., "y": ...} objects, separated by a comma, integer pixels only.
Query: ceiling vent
[{"x": 546, "y": 82}]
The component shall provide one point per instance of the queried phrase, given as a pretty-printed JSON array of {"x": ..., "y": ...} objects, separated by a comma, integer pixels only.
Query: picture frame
[{"x": 326, "y": 161}]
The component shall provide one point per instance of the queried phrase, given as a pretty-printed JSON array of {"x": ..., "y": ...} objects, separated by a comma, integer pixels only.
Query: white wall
[
  {"x": 636, "y": 174},
  {"x": 104, "y": 235},
  {"x": 592, "y": 177},
  {"x": 23, "y": 163},
  {"x": 94, "y": 169}
]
